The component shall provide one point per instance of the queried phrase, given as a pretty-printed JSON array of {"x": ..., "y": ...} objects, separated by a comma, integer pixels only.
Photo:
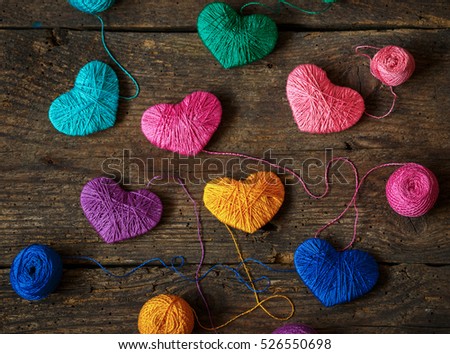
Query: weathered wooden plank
[
  {"x": 43, "y": 171},
  {"x": 408, "y": 299},
  {"x": 182, "y": 15}
]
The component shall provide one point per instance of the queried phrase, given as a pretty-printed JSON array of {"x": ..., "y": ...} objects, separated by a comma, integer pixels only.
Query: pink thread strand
[
  {"x": 304, "y": 186},
  {"x": 200, "y": 240}
]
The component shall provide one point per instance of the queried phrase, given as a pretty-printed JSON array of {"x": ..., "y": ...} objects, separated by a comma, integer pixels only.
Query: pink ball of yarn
[
  {"x": 295, "y": 328},
  {"x": 392, "y": 65},
  {"x": 412, "y": 190}
]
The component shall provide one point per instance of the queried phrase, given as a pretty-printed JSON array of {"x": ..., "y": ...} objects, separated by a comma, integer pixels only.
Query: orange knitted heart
[{"x": 245, "y": 205}]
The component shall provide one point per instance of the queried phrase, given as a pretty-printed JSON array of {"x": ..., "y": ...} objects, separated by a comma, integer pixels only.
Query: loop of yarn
[
  {"x": 245, "y": 205},
  {"x": 318, "y": 105},
  {"x": 236, "y": 40},
  {"x": 92, "y": 6},
  {"x": 392, "y": 65},
  {"x": 412, "y": 190},
  {"x": 295, "y": 328},
  {"x": 36, "y": 272},
  {"x": 118, "y": 215},
  {"x": 185, "y": 127},
  {"x": 91, "y": 106},
  {"x": 166, "y": 314}
]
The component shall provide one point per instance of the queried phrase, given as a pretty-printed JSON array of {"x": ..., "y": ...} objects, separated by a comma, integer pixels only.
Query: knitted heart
[
  {"x": 185, "y": 127},
  {"x": 318, "y": 105},
  {"x": 91, "y": 105},
  {"x": 245, "y": 205},
  {"x": 335, "y": 277},
  {"x": 233, "y": 39},
  {"x": 118, "y": 215}
]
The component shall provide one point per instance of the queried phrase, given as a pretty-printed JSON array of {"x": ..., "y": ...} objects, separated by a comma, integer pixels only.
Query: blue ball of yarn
[
  {"x": 92, "y": 6},
  {"x": 36, "y": 272}
]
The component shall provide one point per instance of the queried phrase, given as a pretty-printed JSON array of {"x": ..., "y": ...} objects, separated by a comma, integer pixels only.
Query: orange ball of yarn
[{"x": 166, "y": 314}]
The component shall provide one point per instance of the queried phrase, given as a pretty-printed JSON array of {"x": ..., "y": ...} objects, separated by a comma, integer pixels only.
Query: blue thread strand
[{"x": 178, "y": 262}]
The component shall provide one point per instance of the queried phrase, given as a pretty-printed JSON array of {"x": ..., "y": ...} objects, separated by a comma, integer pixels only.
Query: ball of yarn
[
  {"x": 392, "y": 65},
  {"x": 412, "y": 190},
  {"x": 294, "y": 328},
  {"x": 166, "y": 314},
  {"x": 36, "y": 272},
  {"x": 92, "y": 6}
]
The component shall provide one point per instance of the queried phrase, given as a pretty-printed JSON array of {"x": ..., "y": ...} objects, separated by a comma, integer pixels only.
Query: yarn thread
[
  {"x": 277, "y": 8},
  {"x": 233, "y": 39},
  {"x": 177, "y": 262},
  {"x": 295, "y": 328},
  {"x": 421, "y": 182},
  {"x": 319, "y": 106},
  {"x": 36, "y": 272},
  {"x": 185, "y": 127},
  {"x": 412, "y": 190},
  {"x": 391, "y": 65},
  {"x": 94, "y": 7},
  {"x": 259, "y": 303},
  {"x": 245, "y": 205},
  {"x": 166, "y": 314}
]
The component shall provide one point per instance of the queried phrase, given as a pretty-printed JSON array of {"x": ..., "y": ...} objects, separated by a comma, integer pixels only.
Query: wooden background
[{"x": 45, "y": 43}]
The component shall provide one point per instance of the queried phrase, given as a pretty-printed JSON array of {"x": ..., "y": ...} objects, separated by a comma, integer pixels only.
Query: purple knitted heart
[{"x": 118, "y": 215}]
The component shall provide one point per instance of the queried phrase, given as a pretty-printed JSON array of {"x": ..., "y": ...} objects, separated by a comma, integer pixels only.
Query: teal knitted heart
[
  {"x": 91, "y": 106},
  {"x": 233, "y": 39}
]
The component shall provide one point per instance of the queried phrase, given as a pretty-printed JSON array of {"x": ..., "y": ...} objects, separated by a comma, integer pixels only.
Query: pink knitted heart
[
  {"x": 118, "y": 215},
  {"x": 318, "y": 105},
  {"x": 185, "y": 127}
]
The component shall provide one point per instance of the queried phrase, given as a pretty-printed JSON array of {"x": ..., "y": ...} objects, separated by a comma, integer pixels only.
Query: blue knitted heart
[
  {"x": 335, "y": 277},
  {"x": 91, "y": 106}
]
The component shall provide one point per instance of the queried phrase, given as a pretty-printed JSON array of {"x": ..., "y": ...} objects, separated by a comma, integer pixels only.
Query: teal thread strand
[
  {"x": 277, "y": 8},
  {"x": 117, "y": 63}
]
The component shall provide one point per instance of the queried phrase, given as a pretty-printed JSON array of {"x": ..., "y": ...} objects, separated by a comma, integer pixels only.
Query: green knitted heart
[{"x": 233, "y": 39}]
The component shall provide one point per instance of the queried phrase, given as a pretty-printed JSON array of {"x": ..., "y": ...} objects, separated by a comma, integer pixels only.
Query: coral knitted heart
[
  {"x": 91, "y": 106},
  {"x": 118, "y": 215},
  {"x": 318, "y": 105},
  {"x": 185, "y": 127},
  {"x": 233, "y": 39},
  {"x": 245, "y": 205},
  {"x": 335, "y": 277}
]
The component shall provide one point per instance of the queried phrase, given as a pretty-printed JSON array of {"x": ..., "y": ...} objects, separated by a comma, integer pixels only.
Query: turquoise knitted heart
[
  {"x": 233, "y": 39},
  {"x": 91, "y": 106}
]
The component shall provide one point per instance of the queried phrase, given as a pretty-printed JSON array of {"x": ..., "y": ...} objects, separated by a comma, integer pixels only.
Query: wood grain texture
[
  {"x": 43, "y": 171},
  {"x": 88, "y": 301},
  {"x": 160, "y": 15}
]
